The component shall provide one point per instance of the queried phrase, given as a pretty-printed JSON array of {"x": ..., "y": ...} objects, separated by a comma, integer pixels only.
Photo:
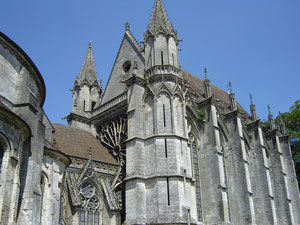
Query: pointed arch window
[{"x": 89, "y": 215}]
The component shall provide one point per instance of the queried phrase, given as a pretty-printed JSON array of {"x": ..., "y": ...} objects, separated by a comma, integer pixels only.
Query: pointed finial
[
  {"x": 230, "y": 88},
  {"x": 271, "y": 119},
  {"x": 90, "y": 152},
  {"x": 251, "y": 100},
  {"x": 281, "y": 124},
  {"x": 207, "y": 85},
  {"x": 90, "y": 44},
  {"x": 205, "y": 72},
  {"x": 253, "y": 109},
  {"x": 127, "y": 26}
]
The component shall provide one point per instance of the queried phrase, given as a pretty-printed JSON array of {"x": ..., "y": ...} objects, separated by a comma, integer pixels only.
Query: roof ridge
[{"x": 130, "y": 34}]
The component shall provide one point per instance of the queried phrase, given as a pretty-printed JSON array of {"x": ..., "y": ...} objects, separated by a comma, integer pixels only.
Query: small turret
[
  {"x": 87, "y": 90},
  {"x": 161, "y": 42}
]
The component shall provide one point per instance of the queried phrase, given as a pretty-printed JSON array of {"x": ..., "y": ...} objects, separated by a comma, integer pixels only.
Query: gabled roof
[
  {"x": 88, "y": 72},
  {"x": 159, "y": 18},
  {"x": 76, "y": 142}
]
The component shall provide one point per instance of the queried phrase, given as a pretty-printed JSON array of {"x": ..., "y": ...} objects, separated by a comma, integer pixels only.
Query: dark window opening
[
  {"x": 173, "y": 59},
  {"x": 90, "y": 218},
  {"x": 96, "y": 219},
  {"x": 82, "y": 217},
  {"x": 93, "y": 105},
  {"x": 164, "y": 114},
  {"x": 166, "y": 148},
  {"x": 127, "y": 66},
  {"x": 168, "y": 191},
  {"x": 84, "y": 105},
  {"x": 162, "y": 58}
]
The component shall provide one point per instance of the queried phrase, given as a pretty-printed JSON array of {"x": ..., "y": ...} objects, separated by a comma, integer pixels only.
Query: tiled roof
[
  {"x": 196, "y": 86},
  {"x": 75, "y": 142}
]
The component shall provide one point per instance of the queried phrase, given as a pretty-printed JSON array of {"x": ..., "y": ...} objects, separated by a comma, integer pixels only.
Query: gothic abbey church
[{"x": 157, "y": 146}]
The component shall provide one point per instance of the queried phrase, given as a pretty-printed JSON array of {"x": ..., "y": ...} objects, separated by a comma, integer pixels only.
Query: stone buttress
[{"x": 159, "y": 187}]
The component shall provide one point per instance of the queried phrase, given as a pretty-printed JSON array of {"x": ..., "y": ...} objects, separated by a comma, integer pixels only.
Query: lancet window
[
  {"x": 90, "y": 202},
  {"x": 195, "y": 168}
]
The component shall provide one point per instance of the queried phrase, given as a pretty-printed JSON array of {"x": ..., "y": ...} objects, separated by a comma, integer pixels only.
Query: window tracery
[
  {"x": 90, "y": 203},
  {"x": 195, "y": 167},
  {"x": 113, "y": 136}
]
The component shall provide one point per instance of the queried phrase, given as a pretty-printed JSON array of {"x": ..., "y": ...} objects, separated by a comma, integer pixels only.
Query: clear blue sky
[{"x": 254, "y": 44}]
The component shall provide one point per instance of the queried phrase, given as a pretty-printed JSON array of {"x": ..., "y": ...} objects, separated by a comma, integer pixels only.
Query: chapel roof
[
  {"x": 75, "y": 142},
  {"x": 196, "y": 86}
]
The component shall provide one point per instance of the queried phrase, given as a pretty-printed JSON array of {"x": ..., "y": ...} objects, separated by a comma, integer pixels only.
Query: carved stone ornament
[
  {"x": 113, "y": 136},
  {"x": 88, "y": 197}
]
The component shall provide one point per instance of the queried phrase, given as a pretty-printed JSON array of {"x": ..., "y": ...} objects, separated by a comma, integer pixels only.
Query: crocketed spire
[
  {"x": 88, "y": 71},
  {"x": 159, "y": 19}
]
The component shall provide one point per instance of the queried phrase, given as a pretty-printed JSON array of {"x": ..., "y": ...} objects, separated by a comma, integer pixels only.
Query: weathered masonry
[{"x": 157, "y": 145}]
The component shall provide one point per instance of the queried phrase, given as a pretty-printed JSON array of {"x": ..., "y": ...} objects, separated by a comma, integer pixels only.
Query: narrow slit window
[
  {"x": 162, "y": 58},
  {"x": 82, "y": 217},
  {"x": 96, "y": 219},
  {"x": 168, "y": 191},
  {"x": 166, "y": 148},
  {"x": 173, "y": 59},
  {"x": 90, "y": 218},
  {"x": 84, "y": 105},
  {"x": 93, "y": 105},
  {"x": 164, "y": 114}
]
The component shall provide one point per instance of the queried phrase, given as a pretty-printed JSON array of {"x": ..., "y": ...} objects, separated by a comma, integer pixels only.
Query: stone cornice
[
  {"x": 78, "y": 118},
  {"x": 155, "y": 136},
  {"x": 110, "y": 104},
  {"x": 232, "y": 115},
  {"x": 56, "y": 154},
  {"x": 253, "y": 125},
  {"x": 206, "y": 102}
]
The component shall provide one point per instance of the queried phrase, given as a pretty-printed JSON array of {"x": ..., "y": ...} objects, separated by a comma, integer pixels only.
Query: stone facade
[{"x": 158, "y": 146}]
